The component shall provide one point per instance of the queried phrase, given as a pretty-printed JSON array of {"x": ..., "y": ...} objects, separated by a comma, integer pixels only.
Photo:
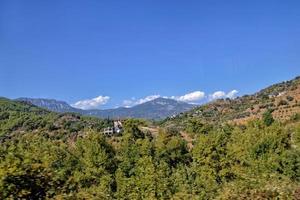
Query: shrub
[
  {"x": 4, "y": 115},
  {"x": 282, "y": 103},
  {"x": 290, "y": 164},
  {"x": 295, "y": 117},
  {"x": 268, "y": 118},
  {"x": 289, "y": 98}
]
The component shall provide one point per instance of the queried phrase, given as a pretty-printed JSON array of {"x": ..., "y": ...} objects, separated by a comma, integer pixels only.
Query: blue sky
[{"x": 128, "y": 50}]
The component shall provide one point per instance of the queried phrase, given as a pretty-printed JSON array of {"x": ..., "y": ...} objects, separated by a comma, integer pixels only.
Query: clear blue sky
[{"x": 74, "y": 50}]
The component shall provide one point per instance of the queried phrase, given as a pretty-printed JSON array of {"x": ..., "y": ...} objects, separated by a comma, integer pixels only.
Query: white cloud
[
  {"x": 128, "y": 103},
  {"x": 218, "y": 95},
  {"x": 148, "y": 98},
  {"x": 91, "y": 103},
  {"x": 134, "y": 102},
  {"x": 190, "y": 97},
  {"x": 221, "y": 95},
  {"x": 232, "y": 94}
]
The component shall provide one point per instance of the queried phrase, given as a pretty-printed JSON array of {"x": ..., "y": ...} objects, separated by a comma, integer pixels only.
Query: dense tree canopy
[{"x": 51, "y": 156}]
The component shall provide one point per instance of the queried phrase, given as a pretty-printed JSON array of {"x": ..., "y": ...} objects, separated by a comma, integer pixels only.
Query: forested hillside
[
  {"x": 45, "y": 155},
  {"x": 17, "y": 118}
]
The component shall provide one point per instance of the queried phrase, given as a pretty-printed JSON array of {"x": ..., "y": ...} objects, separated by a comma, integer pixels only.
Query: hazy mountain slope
[
  {"x": 159, "y": 108},
  {"x": 51, "y": 104},
  {"x": 156, "y": 109}
]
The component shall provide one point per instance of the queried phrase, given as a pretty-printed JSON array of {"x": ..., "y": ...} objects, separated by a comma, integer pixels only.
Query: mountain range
[
  {"x": 282, "y": 99},
  {"x": 159, "y": 108}
]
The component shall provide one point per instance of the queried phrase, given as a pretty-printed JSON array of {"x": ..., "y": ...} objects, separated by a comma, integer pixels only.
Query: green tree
[{"x": 268, "y": 118}]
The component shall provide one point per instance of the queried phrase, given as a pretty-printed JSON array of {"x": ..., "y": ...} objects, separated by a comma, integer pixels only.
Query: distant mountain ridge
[
  {"x": 159, "y": 108},
  {"x": 50, "y": 104}
]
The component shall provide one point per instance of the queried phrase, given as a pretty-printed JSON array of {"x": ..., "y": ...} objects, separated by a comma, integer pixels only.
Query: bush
[
  {"x": 198, "y": 127},
  {"x": 289, "y": 98},
  {"x": 282, "y": 103},
  {"x": 268, "y": 118},
  {"x": 290, "y": 164},
  {"x": 4, "y": 115},
  {"x": 172, "y": 130},
  {"x": 295, "y": 117}
]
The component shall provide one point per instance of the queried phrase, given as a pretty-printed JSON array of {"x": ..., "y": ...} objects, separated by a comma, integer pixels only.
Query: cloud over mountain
[
  {"x": 190, "y": 97},
  {"x": 91, "y": 103},
  {"x": 134, "y": 102},
  {"x": 221, "y": 94}
]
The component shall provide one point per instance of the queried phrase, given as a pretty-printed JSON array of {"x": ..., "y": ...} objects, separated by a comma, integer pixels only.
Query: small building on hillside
[
  {"x": 109, "y": 131},
  {"x": 115, "y": 130}
]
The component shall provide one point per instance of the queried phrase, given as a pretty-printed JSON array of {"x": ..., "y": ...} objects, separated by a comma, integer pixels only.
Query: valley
[{"x": 243, "y": 148}]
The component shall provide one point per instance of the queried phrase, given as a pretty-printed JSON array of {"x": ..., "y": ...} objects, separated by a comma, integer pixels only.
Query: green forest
[{"x": 46, "y": 155}]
